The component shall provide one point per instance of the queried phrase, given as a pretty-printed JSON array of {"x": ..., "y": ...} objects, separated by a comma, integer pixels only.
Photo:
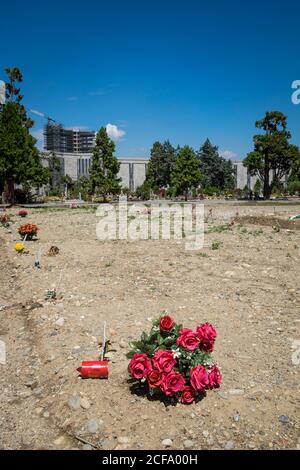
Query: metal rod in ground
[{"x": 103, "y": 341}]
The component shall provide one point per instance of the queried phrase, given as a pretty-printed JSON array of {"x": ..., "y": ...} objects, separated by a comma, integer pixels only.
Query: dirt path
[{"x": 248, "y": 288}]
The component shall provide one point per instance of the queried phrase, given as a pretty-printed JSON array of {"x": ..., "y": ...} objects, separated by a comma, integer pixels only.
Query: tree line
[
  {"x": 172, "y": 171},
  {"x": 183, "y": 170}
]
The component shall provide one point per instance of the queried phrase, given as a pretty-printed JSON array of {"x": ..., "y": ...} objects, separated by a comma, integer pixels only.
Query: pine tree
[
  {"x": 186, "y": 172},
  {"x": 160, "y": 164},
  {"x": 20, "y": 161},
  {"x": 216, "y": 171},
  {"x": 272, "y": 151},
  {"x": 104, "y": 166}
]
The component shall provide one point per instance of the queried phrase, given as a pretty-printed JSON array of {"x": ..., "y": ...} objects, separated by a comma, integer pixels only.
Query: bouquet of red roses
[{"x": 175, "y": 362}]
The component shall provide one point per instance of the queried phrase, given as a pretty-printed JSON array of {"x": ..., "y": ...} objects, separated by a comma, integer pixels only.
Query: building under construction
[{"x": 59, "y": 139}]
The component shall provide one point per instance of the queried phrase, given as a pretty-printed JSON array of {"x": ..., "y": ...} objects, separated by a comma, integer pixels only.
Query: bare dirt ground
[{"x": 248, "y": 288}]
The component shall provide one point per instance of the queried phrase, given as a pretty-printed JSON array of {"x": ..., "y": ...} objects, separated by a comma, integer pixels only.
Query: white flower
[{"x": 176, "y": 353}]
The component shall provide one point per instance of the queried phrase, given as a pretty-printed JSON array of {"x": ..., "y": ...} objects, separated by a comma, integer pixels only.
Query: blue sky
[{"x": 177, "y": 70}]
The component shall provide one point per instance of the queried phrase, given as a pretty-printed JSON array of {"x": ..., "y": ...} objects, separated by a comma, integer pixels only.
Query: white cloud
[
  {"x": 114, "y": 132},
  {"x": 228, "y": 154},
  {"x": 72, "y": 98},
  {"x": 38, "y": 134}
]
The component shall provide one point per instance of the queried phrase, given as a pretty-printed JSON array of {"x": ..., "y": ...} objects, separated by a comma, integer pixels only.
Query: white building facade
[{"x": 132, "y": 170}]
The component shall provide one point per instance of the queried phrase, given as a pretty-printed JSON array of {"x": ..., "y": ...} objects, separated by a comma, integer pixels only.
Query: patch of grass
[
  {"x": 218, "y": 229},
  {"x": 109, "y": 263},
  {"x": 216, "y": 245},
  {"x": 257, "y": 232},
  {"x": 203, "y": 255}
]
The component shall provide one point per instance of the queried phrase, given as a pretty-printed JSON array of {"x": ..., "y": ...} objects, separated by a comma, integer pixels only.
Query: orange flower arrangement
[{"x": 28, "y": 229}]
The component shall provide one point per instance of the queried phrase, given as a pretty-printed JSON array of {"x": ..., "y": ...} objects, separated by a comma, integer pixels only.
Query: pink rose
[
  {"x": 199, "y": 378},
  {"x": 214, "y": 377},
  {"x": 207, "y": 335},
  {"x": 154, "y": 378},
  {"x": 140, "y": 366},
  {"x": 188, "y": 339},
  {"x": 163, "y": 361},
  {"x": 172, "y": 383},
  {"x": 188, "y": 395}
]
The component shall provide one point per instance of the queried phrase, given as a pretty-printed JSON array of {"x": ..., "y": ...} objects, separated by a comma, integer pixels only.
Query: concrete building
[
  {"x": 61, "y": 140},
  {"x": 132, "y": 170}
]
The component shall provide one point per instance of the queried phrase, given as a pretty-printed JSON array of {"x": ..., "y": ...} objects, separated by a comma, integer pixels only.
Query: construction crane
[{"x": 45, "y": 116}]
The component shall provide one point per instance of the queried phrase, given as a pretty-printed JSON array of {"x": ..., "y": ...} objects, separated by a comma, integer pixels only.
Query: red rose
[
  {"x": 163, "y": 361},
  {"x": 214, "y": 377},
  {"x": 188, "y": 395},
  {"x": 199, "y": 378},
  {"x": 154, "y": 378},
  {"x": 188, "y": 339},
  {"x": 207, "y": 335},
  {"x": 139, "y": 366},
  {"x": 166, "y": 323},
  {"x": 172, "y": 383}
]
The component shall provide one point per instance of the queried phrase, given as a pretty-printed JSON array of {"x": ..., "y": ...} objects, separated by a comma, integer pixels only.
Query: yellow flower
[{"x": 19, "y": 247}]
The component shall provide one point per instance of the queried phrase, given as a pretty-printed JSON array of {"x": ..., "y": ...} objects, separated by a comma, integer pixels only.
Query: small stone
[
  {"x": 229, "y": 445},
  {"x": 46, "y": 414},
  {"x": 123, "y": 440},
  {"x": 283, "y": 419},
  {"x": 85, "y": 404},
  {"x": 205, "y": 434},
  {"x": 60, "y": 321},
  {"x": 188, "y": 444},
  {"x": 236, "y": 391},
  {"x": 167, "y": 443},
  {"x": 74, "y": 402},
  {"x": 92, "y": 426},
  {"x": 237, "y": 418}
]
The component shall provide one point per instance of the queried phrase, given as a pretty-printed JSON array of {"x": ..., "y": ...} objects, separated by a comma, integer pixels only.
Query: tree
[
  {"x": 186, "y": 172},
  {"x": 216, "y": 171},
  {"x": 104, "y": 166},
  {"x": 160, "y": 164},
  {"x": 272, "y": 151},
  {"x": 54, "y": 167},
  {"x": 20, "y": 161}
]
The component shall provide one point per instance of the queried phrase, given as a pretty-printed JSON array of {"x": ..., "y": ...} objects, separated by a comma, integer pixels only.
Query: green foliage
[
  {"x": 257, "y": 187},
  {"x": 186, "y": 172},
  {"x": 149, "y": 343},
  {"x": 216, "y": 245},
  {"x": 104, "y": 166},
  {"x": 294, "y": 187},
  {"x": 144, "y": 191},
  {"x": 218, "y": 228},
  {"x": 272, "y": 151},
  {"x": 20, "y": 161},
  {"x": 160, "y": 165},
  {"x": 211, "y": 191},
  {"x": 217, "y": 172}
]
